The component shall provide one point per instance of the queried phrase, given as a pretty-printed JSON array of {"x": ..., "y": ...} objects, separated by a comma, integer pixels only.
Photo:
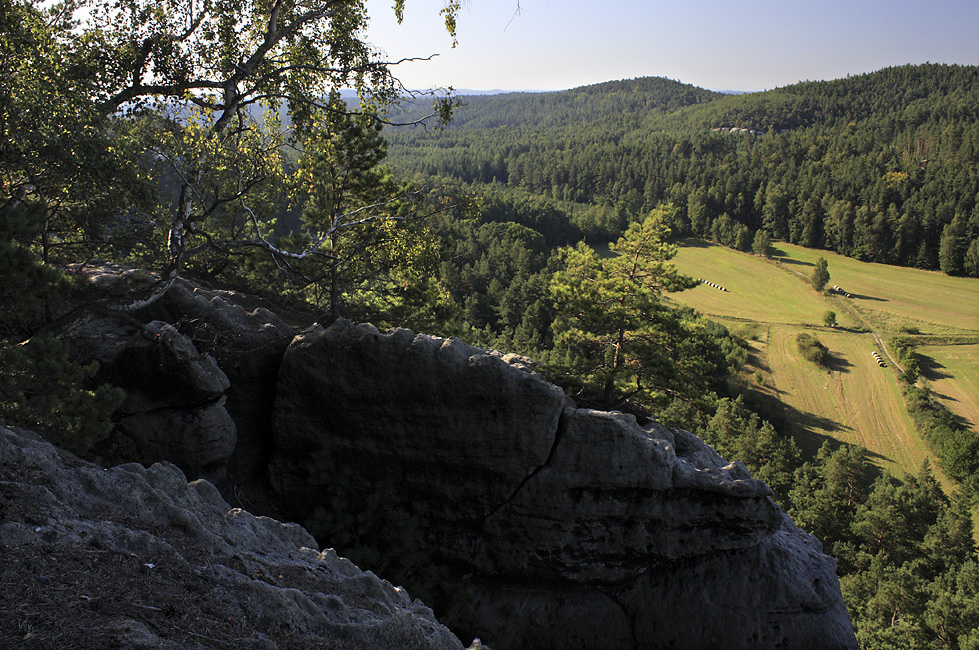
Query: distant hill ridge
[
  {"x": 804, "y": 103},
  {"x": 883, "y": 166},
  {"x": 562, "y": 108}
]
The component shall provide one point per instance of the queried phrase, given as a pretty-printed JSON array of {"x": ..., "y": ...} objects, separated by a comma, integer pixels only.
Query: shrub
[
  {"x": 812, "y": 349},
  {"x": 820, "y": 275},
  {"x": 957, "y": 447},
  {"x": 42, "y": 388}
]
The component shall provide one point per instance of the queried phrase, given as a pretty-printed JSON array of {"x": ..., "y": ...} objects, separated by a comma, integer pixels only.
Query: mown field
[
  {"x": 953, "y": 371},
  {"x": 853, "y": 400},
  {"x": 891, "y": 297}
]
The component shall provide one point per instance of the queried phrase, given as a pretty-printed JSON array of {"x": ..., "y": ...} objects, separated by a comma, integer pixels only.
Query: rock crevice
[
  {"x": 542, "y": 516},
  {"x": 459, "y": 472}
]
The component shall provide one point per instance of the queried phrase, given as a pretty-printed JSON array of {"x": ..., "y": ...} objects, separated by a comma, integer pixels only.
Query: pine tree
[{"x": 610, "y": 320}]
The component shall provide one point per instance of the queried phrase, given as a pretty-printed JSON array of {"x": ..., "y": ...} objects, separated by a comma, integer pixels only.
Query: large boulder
[
  {"x": 135, "y": 557},
  {"x": 436, "y": 417},
  {"x": 529, "y": 521},
  {"x": 199, "y": 367},
  {"x": 247, "y": 341},
  {"x": 175, "y": 395}
]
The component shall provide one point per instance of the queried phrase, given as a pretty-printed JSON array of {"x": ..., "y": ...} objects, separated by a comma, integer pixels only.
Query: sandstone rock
[
  {"x": 462, "y": 473},
  {"x": 138, "y": 558},
  {"x": 781, "y": 593},
  {"x": 444, "y": 421},
  {"x": 163, "y": 363},
  {"x": 174, "y": 408},
  {"x": 199, "y": 367},
  {"x": 198, "y": 440},
  {"x": 247, "y": 341},
  {"x": 530, "y": 522},
  {"x": 612, "y": 500}
]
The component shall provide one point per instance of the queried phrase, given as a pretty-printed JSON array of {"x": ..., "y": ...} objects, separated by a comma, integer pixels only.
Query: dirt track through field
[{"x": 855, "y": 401}]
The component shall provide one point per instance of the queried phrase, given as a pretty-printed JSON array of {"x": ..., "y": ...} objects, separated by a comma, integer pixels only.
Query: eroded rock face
[
  {"x": 199, "y": 367},
  {"x": 451, "y": 424},
  {"x": 247, "y": 341},
  {"x": 136, "y": 557},
  {"x": 544, "y": 526},
  {"x": 455, "y": 470}
]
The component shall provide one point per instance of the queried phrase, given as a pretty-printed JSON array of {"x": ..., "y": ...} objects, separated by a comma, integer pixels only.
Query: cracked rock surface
[{"x": 529, "y": 522}]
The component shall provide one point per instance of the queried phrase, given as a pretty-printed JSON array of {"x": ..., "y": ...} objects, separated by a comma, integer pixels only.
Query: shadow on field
[
  {"x": 851, "y": 330},
  {"x": 931, "y": 369},
  {"x": 694, "y": 242},
  {"x": 755, "y": 360},
  {"x": 780, "y": 256},
  {"x": 857, "y": 296},
  {"x": 809, "y": 431},
  {"x": 837, "y": 363},
  {"x": 792, "y": 262}
]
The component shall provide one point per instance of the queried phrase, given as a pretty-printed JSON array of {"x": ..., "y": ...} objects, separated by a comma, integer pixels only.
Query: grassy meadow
[
  {"x": 953, "y": 372},
  {"x": 853, "y": 400},
  {"x": 891, "y": 297}
]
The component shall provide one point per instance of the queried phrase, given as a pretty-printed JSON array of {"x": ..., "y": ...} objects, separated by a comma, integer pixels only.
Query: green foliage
[
  {"x": 820, "y": 275},
  {"x": 907, "y": 558},
  {"x": 956, "y": 446},
  {"x": 43, "y": 389},
  {"x": 826, "y": 492},
  {"x": 30, "y": 289},
  {"x": 762, "y": 244},
  {"x": 952, "y": 246},
  {"x": 829, "y": 319},
  {"x": 63, "y": 172},
  {"x": 738, "y": 433},
  {"x": 139, "y": 95},
  {"x": 812, "y": 348},
  {"x": 135, "y": 131},
  {"x": 616, "y": 337},
  {"x": 913, "y": 545},
  {"x": 872, "y": 166},
  {"x": 911, "y": 371},
  {"x": 364, "y": 253}
]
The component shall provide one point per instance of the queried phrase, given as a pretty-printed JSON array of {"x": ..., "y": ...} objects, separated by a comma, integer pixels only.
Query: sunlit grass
[{"x": 854, "y": 401}]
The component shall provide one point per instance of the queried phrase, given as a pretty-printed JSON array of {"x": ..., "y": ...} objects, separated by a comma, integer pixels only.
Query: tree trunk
[{"x": 609, "y": 391}]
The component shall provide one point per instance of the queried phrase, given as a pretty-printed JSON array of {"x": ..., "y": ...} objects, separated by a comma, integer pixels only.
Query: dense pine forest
[
  {"x": 883, "y": 167},
  {"x": 533, "y": 223}
]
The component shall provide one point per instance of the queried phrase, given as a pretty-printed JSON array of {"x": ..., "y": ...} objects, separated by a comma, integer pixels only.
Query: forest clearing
[{"x": 852, "y": 399}]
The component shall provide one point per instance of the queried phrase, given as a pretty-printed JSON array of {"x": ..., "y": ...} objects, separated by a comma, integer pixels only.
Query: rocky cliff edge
[
  {"x": 135, "y": 557},
  {"x": 545, "y": 525},
  {"x": 455, "y": 471}
]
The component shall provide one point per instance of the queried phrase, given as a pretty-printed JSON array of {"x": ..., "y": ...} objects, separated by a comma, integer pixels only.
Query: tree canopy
[
  {"x": 873, "y": 166},
  {"x": 163, "y": 134},
  {"x": 192, "y": 92},
  {"x": 618, "y": 337}
]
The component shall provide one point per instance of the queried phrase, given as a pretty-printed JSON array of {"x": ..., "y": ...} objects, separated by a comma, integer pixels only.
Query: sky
[{"x": 741, "y": 46}]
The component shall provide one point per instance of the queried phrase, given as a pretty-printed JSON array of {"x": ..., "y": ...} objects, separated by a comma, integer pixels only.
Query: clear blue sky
[{"x": 750, "y": 45}]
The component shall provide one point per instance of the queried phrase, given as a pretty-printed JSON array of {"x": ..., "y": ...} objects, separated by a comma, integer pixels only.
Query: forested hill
[
  {"x": 634, "y": 99},
  {"x": 883, "y": 166},
  {"x": 906, "y": 96}
]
